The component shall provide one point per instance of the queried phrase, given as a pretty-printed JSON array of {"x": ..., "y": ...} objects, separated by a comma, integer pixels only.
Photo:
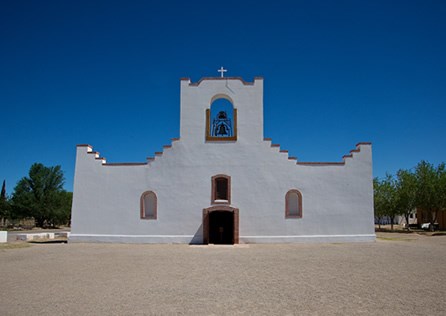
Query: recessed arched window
[
  {"x": 293, "y": 204},
  {"x": 221, "y": 119},
  {"x": 221, "y": 189},
  {"x": 148, "y": 205}
]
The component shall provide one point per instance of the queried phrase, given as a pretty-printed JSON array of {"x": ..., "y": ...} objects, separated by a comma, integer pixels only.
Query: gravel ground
[{"x": 398, "y": 275}]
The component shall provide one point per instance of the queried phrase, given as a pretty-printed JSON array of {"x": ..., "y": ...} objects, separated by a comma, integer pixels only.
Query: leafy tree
[
  {"x": 406, "y": 190},
  {"x": 41, "y": 196},
  {"x": 379, "y": 208},
  {"x": 385, "y": 198},
  {"x": 62, "y": 214},
  {"x": 431, "y": 190},
  {"x": 442, "y": 184}
]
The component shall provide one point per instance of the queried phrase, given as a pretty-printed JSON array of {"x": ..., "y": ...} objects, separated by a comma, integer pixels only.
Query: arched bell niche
[{"x": 221, "y": 119}]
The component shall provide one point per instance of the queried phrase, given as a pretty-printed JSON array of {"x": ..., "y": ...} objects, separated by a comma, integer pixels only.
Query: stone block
[{"x": 3, "y": 236}]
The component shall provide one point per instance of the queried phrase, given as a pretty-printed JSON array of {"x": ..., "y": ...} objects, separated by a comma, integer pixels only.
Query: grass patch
[
  {"x": 14, "y": 246},
  {"x": 393, "y": 239},
  {"x": 396, "y": 231}
]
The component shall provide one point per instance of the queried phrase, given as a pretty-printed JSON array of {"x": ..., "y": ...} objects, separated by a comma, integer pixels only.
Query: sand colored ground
[{"x": 398, "y": 275}]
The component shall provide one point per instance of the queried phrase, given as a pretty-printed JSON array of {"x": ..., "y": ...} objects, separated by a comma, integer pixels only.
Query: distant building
[{"x": 223, "y": 182}]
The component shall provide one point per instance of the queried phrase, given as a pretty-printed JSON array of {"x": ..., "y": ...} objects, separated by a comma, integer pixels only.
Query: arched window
[
  {"x": 293, "y": 204},
  {"x": 221, "y": 189},
  {"x": 221, "y": 120},
  {"x": 148, "y": 205}
]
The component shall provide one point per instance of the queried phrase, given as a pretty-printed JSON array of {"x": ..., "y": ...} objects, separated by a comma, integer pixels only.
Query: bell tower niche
[
  {"x": 221, "y": 109},
  {"x": 221, "y": 120}
]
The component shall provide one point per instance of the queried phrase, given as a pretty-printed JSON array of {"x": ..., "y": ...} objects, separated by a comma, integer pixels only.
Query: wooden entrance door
[{"x": 220, "y": 225}]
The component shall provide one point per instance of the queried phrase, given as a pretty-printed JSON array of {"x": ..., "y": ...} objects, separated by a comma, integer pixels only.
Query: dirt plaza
[{"x": 399, "y": 274}]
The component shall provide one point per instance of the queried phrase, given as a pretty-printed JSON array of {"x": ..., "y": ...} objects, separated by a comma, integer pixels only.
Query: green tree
[
  {"x": 41, "y": 196},
  {"x": 431, "y": 190},
  {"x": 378, "y": 201},
  {"x": 62, "y": 214},
  {"x": 385, "y": 198},
  {"x": 406, "y": 190},
  {"x": 442, "y": 184}
]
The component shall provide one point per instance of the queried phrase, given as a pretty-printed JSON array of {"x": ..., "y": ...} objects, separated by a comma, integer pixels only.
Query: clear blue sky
[{"x": 107, "y": 73}]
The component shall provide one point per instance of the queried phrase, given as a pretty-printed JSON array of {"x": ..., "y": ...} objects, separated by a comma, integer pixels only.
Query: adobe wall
[{"x": 337, "y": 197}]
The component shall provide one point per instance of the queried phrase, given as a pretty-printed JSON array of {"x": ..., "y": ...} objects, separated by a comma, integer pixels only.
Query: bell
[{"x": 222, "y": 130}]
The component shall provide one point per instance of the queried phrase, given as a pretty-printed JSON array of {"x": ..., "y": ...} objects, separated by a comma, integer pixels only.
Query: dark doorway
[{"x": 221, "y": 227}]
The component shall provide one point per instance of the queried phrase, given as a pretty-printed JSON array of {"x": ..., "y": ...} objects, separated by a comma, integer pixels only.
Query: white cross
[{"x": 222, "y": 71}]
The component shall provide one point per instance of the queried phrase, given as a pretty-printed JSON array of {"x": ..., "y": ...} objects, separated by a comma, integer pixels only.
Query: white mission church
[{"x": 222, "y": 182}]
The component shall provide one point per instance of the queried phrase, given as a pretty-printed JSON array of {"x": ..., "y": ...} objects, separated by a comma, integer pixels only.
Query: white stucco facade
[{"x": 336, "y": 198}]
